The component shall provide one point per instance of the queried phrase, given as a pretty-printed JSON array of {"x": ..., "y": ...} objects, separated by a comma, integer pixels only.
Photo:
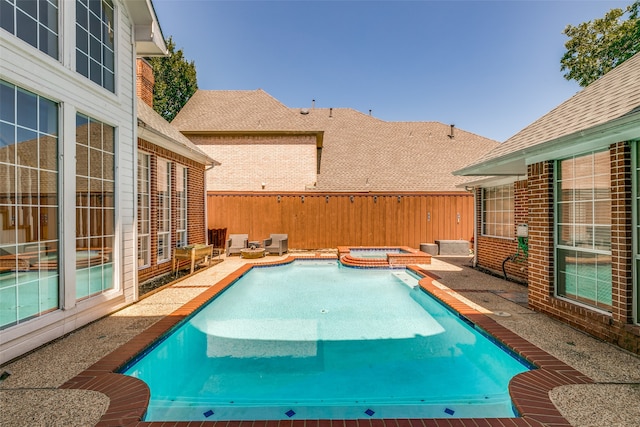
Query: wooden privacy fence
[{"x": 327, "y": 220}]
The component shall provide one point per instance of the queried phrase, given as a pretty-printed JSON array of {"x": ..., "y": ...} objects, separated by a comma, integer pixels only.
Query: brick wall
[
  {"x": 281, "y": 162},
  {"x": 617, "y": 327},
  {"x": 492, "y": 251},
  {"x": 196, "y": 224},
  {"x": 144, "y": 81}
]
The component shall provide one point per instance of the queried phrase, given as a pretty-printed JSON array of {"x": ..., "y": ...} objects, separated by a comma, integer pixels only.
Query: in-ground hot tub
[{"x": 381, "y": 256}]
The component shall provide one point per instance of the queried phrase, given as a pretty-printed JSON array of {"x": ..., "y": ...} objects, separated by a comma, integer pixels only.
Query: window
[
  {"x": 95, "y": 213},
  {"x": 95, "y": 41},
  {"x": 181, "y": 195},
  {"x": 144, "y": 211},
  {"x": 35, "y": 22},
  {"x": 29, "y": 238},
  {"x": 497, "y": 211},
  {"x": 583, "y": 229},
  {"x": 164, "y": 210}
]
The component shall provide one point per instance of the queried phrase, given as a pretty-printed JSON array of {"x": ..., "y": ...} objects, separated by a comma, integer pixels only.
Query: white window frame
[
  {"x": 493, "y": 204},
  {"x": 24, "y": 203},
  {"x": 182, "y": 174},
  {"x": 45, "y": 25},
  {"x": 164, "y": 212},
  {"x": 92, "y": 49},
  {"x": 581, "y": 244},
  {"x": 144, "y": 212}
]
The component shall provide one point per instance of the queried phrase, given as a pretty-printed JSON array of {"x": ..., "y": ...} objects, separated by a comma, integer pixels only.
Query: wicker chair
[
  {"x": 276, "y": 243},
  {"x": 236, "y": 243}
]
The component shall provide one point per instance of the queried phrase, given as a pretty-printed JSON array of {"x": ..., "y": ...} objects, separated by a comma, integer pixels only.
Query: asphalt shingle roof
[
  {"x": 236, "y": 110},
  {"x": 157, "y": 123},
  {"x": 613, "y": 96},
  {"x": 360, "y": 152}
]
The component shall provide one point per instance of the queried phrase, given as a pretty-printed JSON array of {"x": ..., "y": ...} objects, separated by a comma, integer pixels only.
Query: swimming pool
[{"x": 312, "y": 340}]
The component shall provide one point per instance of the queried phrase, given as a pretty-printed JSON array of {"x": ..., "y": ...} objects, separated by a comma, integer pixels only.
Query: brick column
[
  {"x": 541, "y": 261},
  {"x": 621, "y": 226}
]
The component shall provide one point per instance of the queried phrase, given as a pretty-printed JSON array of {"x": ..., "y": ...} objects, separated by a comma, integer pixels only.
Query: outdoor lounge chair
[
  {"x": 236, "y": 243},
  {"x": 276, "y": 243}
]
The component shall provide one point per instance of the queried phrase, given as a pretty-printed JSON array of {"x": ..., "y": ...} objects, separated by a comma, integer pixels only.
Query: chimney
[
  {"x": 330, "y": 112},
  {"x": 452, "y": 126},
  {"x": 144, "y": 81},
  {"x": 313, "y": 104}
]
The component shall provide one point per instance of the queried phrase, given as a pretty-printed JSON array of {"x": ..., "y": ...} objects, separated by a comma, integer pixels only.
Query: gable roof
[
  {"x": 234, "y": 111},
  {"x": 606, "y": 111},
  {"x": 155, "y": 129}
]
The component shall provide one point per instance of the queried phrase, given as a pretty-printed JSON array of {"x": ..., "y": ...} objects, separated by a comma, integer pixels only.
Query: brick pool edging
[{"x": 129, "y": 397}]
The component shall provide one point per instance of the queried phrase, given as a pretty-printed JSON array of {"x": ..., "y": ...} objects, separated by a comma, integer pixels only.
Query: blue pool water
[
  {"x": 375, "y": 253},
  {"x": 312, "y": 340}
]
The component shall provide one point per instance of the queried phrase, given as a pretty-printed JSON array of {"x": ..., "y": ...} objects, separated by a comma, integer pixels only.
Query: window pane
[
  {"x": 94, "y": 214},
  {"x": 498, "y": 211},
  {"x": 7, "y": 103},
  {"x": 584, "y": 223},
  {"x": 27, "y": 109},
  {"x": 27, "y": 147},
  {"x": 26, "y": 28},
  {"x": 6, "y": 16}
]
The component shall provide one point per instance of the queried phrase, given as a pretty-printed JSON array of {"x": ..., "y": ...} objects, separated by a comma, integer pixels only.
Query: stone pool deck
[{"x": 31, "y": 396}]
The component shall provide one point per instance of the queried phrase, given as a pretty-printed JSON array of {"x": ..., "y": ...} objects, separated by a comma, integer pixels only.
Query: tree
[
  {"x": 598, "y": 46},
  {"x": 175, "y": 82}
]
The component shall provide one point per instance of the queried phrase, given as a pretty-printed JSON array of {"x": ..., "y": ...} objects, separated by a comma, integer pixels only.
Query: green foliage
[
  {"x": 597, "y": 46},
  {"x": 175, "y": 82}
]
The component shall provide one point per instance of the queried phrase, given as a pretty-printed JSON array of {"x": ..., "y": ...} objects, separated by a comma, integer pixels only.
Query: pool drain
[
  {"x": 502, "y": 313},
  {"x": 324, "y": 311}
]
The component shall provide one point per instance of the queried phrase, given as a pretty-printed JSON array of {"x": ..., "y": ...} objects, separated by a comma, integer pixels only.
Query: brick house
[
  {"x": 572, "y": 178},
  {"x": 171, "y": 209},
  {"x": 67, "y": 160},
  {"x": 395, "y": 176},
  {"x": 261, "y": 144}
]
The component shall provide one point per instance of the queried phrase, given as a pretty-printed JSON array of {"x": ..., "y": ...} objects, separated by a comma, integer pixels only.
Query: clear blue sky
[{"x": 489, "y": 67}]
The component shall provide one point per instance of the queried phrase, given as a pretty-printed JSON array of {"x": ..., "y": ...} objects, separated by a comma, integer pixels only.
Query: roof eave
[
  {"x": 146, "y": 27},
  {"x": 158, "y": 138},
  {"x": 319, "y": 134}
]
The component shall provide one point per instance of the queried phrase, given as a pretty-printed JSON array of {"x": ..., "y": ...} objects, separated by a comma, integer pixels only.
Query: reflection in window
[
  {"x": 95, "y": 215},
  {"x": 583, "y": 230},
  {"x": 95, "y": 41},
  {"x": 181, "y": 196},
  {"x": 35, "y": 22},
  {"x": 28, "y": 205},
  {"x": 144, "y": 211},
  {"x": 164, "y": 210},
  {"x": 497, "y": 211}
]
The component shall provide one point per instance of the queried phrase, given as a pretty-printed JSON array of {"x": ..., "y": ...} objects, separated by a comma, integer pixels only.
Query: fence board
[{"x": 344, "y": 218}]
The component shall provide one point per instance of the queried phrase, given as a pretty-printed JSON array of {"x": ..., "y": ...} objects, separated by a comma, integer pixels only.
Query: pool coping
[
  {"x": 409, "y": 256},
  {"x": 129, "y": 397}
]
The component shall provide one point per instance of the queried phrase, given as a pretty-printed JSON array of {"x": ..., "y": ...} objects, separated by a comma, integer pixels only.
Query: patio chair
[
  {"x": 236, "y": 243},
  {"x": 276, "y": 243}
]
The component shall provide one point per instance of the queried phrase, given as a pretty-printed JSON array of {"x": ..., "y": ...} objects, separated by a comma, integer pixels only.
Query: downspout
[
  {"x": 206, "y": 205},
  {"x": 134, "y": 145},
  {"x": 475, "y": 228}
]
